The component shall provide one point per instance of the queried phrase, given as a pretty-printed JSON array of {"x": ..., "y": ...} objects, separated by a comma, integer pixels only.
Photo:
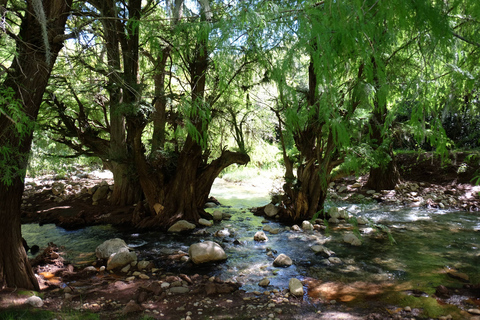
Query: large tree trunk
[
  {"x": 385, "y": 176},
  {"x": 28, "y": 77}
]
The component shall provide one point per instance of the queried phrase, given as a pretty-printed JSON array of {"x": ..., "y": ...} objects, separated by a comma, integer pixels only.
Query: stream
[{"x": 429, "y": 244}]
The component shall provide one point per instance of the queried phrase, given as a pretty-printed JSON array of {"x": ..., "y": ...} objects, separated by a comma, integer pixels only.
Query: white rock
[
  {"x": 180, "y": 226},
  {"x": 121, "y": 259},
  {"x": 260, "y": 236},
  {"x": 282, "y": 260},
  {"x": 222, "y": 233},
  {"x": 205, "y": 222},
  {"x": 352, "y": 239},
  {"x": 217, "y": 215},
  {"x": 296, "y": 287},
  {"x": 109, "y": 247},
  {"x": 306, "y": 225},
  {"x": 206, "y": 251},
  {"x": 34, "y": 301},
  {"x": 270, "y": 210}
]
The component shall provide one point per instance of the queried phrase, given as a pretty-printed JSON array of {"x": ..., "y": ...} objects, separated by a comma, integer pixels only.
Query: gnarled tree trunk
[{"x": 28, "y": 77}]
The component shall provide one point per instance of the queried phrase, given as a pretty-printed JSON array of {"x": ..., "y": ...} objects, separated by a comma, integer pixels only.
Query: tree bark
[
  {"x": 28, "y": 77},
  {"x": 385, "y": 176}
]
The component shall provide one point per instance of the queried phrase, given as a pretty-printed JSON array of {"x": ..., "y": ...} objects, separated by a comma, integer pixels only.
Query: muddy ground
[{"x": 70, "y": 291}]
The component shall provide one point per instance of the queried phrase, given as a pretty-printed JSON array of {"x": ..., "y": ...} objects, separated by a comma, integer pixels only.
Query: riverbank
[{"x": 87, "y": 291}]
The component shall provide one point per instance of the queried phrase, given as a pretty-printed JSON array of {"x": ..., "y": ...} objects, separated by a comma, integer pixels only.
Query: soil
[{"x": 78, "y": 290}]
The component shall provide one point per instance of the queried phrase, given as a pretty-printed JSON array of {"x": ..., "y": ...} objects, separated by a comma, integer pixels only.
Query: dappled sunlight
[{"x": 344, "y": 292}]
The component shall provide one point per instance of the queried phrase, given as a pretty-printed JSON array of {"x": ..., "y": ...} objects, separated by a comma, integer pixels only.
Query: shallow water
[{"x": 428, "y": 244}]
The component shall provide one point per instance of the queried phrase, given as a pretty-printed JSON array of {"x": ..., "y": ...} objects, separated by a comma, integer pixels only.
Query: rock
[
  {"x": 210, "y": 205},
  {"x": 352, "y": 239},
  {"x": 217, "y": 215},
  {"x": 121, "y": 259},
  {"x": 222, "y": 233},
  {"x": 322, "y": 250},
  {"x": 132, "y": 307},
  {"x": 34, "y": 301},
  {"x": 58, "y": 188},
  {"x": 101, "y": 193},
  {"x": 459, "y": 276},
  {"x": 143, "y": 276},
  {"x": 181, "y": 226},
  {"x": 296, "y": 228},
  {"x": 334, "y": 220},
  {"x": 109, "y": 247},
  {"x": 264, "y": 282},
  {"x": 178, "y": 290},
  {"x": 226, "y": 216},
  {"x": 267, "y": 228},
  {"x": 260, "y": 236},
  {"x": 90, "y": 269},
  {"x": 408, "y": 309},
  {"x": 307, "y": 226},
  {"x": 282, "y": 260},
  {"x": 333, "y": 212},
  {"x": 205, "y": 222},
  {"x": 335, "y": 260},
  {"x": 356, "y": 185},
  {"x": 296, "y": 287},
  {"x": 142, "y": 265},
  {"x": 271, "y": 210},
  {"x": 207, "y": 251},
  {"x": 474, "y": 311},
  {"x": 362, "y": 221},
  {"x": 126, "y": 268},
  {"x": 442, "y": 291}
]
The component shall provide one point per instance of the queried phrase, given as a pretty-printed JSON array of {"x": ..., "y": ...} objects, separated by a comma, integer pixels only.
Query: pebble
[{"x": 408, "y": 309}]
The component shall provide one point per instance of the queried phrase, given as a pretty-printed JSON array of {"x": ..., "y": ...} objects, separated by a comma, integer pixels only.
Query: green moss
[{"x": 429, "y": 306}]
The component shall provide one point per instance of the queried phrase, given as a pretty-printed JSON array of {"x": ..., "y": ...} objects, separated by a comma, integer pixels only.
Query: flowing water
[{"x": 429, "y": 245}]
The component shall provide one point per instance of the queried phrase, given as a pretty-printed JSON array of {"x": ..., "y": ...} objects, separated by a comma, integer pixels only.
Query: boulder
[
  {"x": 260, "y": 236},
  {"x": 101, "y": 193},
  {"x": 270, "y": 210},
  {"x": 109, "y": 247},
  {"x": 296, "y": 287},
  {"x": 181, "y": 226},
  {"x": 121, "y": 259},
  {"x": 282, "y": 260},
  {"x": 307, "y": 226},
  {"x": 217, "y": 215},
  {"x": 352, "y": 239},
  {"x": 207, "y": 251}
]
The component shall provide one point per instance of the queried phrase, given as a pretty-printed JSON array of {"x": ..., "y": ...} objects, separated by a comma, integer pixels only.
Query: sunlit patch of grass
[{"x": 26, "y": 314}]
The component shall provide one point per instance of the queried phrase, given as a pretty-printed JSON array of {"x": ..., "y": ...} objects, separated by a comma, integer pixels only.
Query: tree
[
  {"x": 174, "y": 166},
  {"x": 38, "y": 42},
  {"x": 340, "y": 113}
]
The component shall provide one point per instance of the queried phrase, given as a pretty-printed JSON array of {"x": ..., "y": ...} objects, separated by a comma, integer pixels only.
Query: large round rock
[
  {"x": 109, "y": 247},
  {"x": 207, "y": 251}
]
